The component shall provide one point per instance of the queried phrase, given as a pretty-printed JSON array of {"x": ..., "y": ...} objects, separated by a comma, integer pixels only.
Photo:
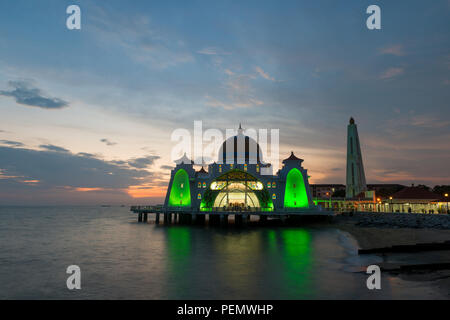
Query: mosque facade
[{"x": 239, "y": 181}]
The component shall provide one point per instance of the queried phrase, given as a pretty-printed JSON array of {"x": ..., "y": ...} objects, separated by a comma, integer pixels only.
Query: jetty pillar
[
  {"x": 169, "y": 218},
  {"x": 140, "y": 217},
  {"x": 145, "y": 217},
  {"x": 245, "y": 219},
  {"x": 214, "y": 219},
  {"x": 166, "y": 218},
  {"x": 194, "y": 219},
  {"x": 262, "y": 219},
  {"x": 157, "y": 218},
  {"x": 223, "y": 219},
  {"x": 201, "y": 219},
  {"x": 238, "y": 219}
]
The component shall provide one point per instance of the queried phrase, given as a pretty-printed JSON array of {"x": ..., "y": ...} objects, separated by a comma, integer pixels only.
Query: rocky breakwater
[{"x": 397, "y": 220}]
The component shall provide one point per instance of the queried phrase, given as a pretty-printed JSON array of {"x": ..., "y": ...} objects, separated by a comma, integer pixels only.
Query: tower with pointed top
[{"x": 356, "y": 179}]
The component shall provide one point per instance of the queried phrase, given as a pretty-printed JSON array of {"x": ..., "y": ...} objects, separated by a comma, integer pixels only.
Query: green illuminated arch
[
  {"x": 295, "y": 195},
  {"x": 180, "y": 193}
]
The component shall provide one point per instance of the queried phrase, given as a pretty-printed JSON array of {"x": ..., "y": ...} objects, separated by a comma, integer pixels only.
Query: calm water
[{"x": 121, "y": 259}]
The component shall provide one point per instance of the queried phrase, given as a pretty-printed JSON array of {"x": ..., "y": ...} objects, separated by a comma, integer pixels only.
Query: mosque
[{"x": 236, "y": 182}]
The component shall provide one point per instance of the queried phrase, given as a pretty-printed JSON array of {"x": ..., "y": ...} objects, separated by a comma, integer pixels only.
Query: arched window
[
  {"x": 182, "y": 185},
  {"x": 274, "y": 196},
  {"x": 274, "y": 185},
  {"x": 269, "y": 184},
  {"x": 199, "y": 185},
  {"x": 245, "y": 167},
  {"x": 199, "y": 196},
  {"x": 220, "y": 168},
  {"x": 204, "y": 184},
  {"x": 231, "y": 166},
  {"x": 257, "y": 168}
]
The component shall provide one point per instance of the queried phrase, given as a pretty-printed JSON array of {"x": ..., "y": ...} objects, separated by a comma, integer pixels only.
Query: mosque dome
[{"x": 240, "y": 149}]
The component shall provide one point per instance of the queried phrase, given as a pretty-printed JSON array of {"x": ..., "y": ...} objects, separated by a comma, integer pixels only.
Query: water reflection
[
  {"x": 179, "y": 245},
  {"x": 243, "y": 263},
  {"x": 296, "y": 257}
]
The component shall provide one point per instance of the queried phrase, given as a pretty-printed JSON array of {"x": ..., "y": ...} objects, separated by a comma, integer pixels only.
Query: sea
[{"x": 119, "y": 258}]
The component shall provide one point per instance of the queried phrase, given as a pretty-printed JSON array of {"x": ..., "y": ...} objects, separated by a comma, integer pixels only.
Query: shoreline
[{"x": 370, "y": 237}]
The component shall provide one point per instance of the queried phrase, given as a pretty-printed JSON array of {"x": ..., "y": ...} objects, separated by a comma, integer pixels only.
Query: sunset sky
[{"x": 86, "y": 115}]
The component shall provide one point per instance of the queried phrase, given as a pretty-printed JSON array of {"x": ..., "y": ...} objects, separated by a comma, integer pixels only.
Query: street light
[
  {"x": 378, "y": 204},
  {"x": 390, "y": 204},
  {"x": 446, "y": 195},
  {"x": 329, "y": 199}
]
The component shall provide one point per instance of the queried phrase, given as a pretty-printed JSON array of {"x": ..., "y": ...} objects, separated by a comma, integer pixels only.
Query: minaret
[{"x": 356, "y": 179}]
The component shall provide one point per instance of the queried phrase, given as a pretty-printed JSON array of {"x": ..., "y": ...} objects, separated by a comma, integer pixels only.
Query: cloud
[
  {"x": 50, "y": 147},
  {"x": 11, "y": 143},
  {"x": 264, "y": 74},
  {"x": 63, "y": 170},
  {"x": 396, "y": 50},
  {"x": 429, "y": 121},
  {"x": 87, "y": 155},
  {"x": 391, "y": 73},
  {"x": 239, "y": 94},
  {"x": 24, "y": 93},
  {"x": 213, "y": 51},
  {"x": 229, "y": 72},
  {"x": 143, "y": 162},
  {"x": 144, "y": 43},
  {"x": 108, "y": 142},
  {"x": 246, "y": 103},
  {"x": 165, "y": 167}
]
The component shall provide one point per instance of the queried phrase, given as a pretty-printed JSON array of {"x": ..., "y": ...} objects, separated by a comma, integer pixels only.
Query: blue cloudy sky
[{"x": 86, "y": 115}]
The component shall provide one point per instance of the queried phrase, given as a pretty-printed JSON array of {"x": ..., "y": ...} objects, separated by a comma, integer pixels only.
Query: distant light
[
  {"x": 446, "y": 194},
  {"x": 390, "y": 198}
]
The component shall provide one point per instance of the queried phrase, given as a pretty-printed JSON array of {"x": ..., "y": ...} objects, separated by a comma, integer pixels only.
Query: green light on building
[
  {"x": 180, "y": 193},
  {"x": 295, "y": 195}
]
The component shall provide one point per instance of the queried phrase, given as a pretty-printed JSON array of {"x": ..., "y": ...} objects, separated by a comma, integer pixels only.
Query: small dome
[{"x": 241, "y": 149}]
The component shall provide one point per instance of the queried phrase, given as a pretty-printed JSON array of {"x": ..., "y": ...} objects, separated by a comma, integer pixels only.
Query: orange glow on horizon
[
  {"x": 31, "y": 181},
  {"x": 146, "y": 191},
  {"x": 88, "y": 189}
]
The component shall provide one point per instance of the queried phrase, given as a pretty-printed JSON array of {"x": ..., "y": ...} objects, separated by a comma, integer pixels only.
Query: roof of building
[
  {"x": 330, "y": 185},
  {"x": 292, "y": 157},
  {"x": 415, "y": 193},
  {"x": 385, "y": 185},
  {"x": 202, "y": 170},
  {"x": 184, "y": 160}
]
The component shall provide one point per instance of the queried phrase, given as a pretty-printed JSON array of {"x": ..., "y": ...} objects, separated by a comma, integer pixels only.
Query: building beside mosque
[{"x": 239, "y": 180}]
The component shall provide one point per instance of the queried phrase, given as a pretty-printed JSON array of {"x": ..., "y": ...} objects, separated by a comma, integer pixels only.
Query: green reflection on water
[
  {"x": 179, "y": 243},
  {"x": 179, "y": 260},
  {"x": 297, "y": 262},
  {"x": 274, "y": 263}
]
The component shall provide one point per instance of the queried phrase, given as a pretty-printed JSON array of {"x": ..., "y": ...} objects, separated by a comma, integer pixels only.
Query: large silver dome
[{"x": 240, "y": 149}]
